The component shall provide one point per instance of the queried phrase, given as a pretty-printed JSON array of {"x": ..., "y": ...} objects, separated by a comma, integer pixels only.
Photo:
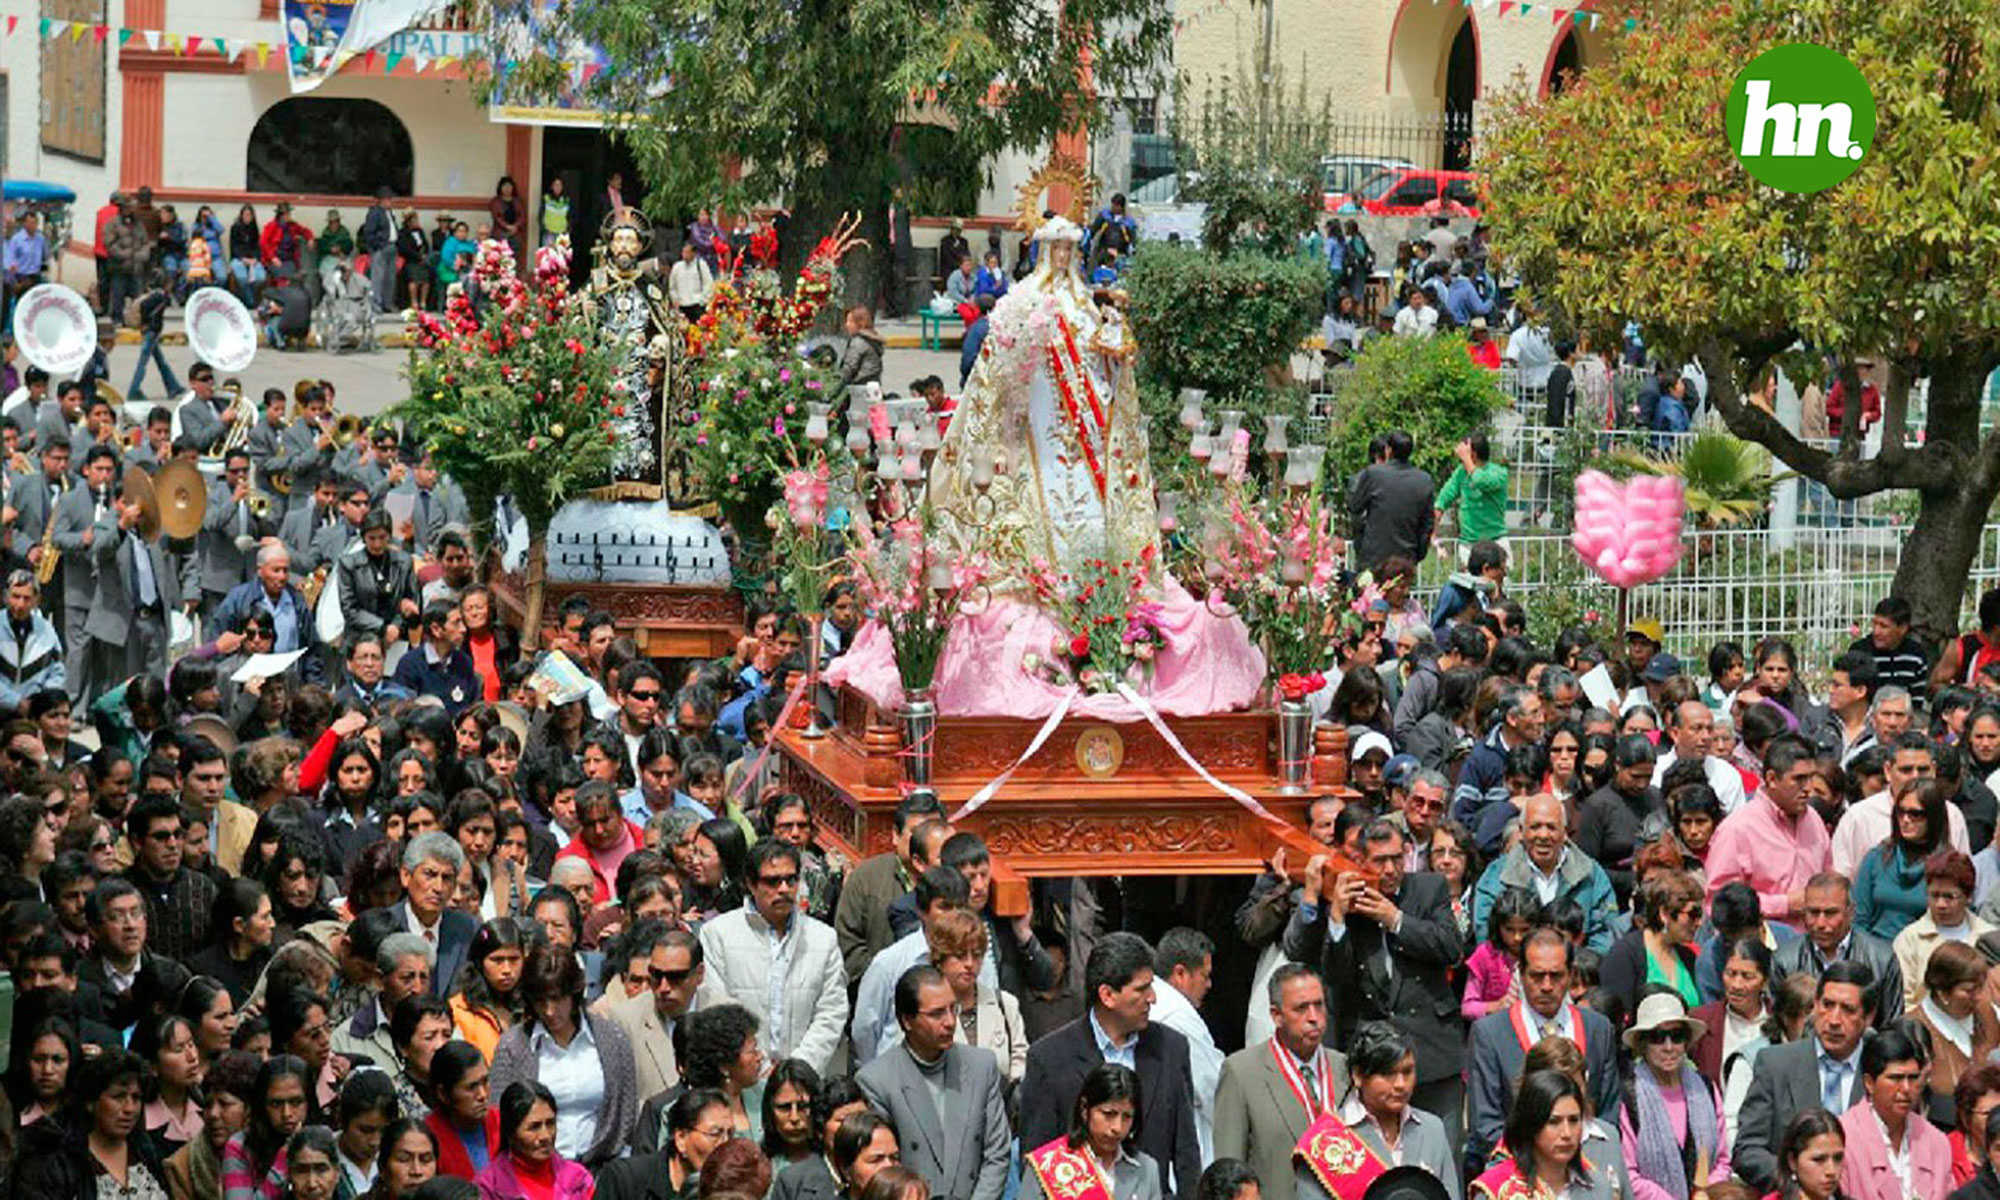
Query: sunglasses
[
  {"x": 637, "y": 695},
  {"x": 1670, "y": 1036},
  {"x": 777, "y": 881},
  {"x": 671, "y": 978}
]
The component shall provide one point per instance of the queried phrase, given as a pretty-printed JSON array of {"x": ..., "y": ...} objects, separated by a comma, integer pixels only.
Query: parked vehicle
[
  {"x": 1409, "y": 192},
  {"x": 1342, "y": 173}
]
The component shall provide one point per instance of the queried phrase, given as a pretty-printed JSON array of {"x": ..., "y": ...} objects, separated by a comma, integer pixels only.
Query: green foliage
[
  {"x": 803, "y": 100},
  {"x": 749, "y": 427},
  {"x": 518, "y": 399},
  {"x": 1728, "y": 480},
  {"x": 1252, "y": 156},
  {"x": 1429, "y": 386}
]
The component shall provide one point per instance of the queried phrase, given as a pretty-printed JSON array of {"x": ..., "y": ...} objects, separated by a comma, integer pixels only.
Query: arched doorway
[
  {"x": 1566, "y": 63},
  {"x": 1461, "y": 88},
  {"x": 319, "y": 146}
]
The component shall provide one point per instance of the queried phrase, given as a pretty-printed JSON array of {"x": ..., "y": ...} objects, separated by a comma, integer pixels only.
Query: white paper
[
  {"x": 264, "y": 666},
  {"x": 1599, "y": 689},
  {"x": 399, "y": 506}
]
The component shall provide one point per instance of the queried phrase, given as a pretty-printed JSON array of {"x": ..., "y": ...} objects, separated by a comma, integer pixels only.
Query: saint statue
[
  {"x": 633, "y": 311},
  {"x": 1050, "y": 412}
]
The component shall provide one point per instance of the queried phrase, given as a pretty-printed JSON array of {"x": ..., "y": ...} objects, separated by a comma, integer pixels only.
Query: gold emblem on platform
[{"x": 1100, "y": 752}]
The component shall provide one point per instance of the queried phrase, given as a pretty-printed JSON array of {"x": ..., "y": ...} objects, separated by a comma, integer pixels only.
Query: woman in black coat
[
  {"x": 100, "y": 1134},
  {"x": 1668, "y": 907}
]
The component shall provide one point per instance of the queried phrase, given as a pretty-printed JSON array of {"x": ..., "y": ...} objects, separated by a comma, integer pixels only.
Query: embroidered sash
[
  {"x": 1068, "y": 1174},
  {"x": 1072, "y": 382},
  {"x": 1288, "y": 1067},
  {"x": 1569, "y": 1017},
  {"x": 1342, "y": 1162}
]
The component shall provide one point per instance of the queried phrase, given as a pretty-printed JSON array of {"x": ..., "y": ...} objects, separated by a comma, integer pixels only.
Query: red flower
[{"x": 1079, "y": 646}]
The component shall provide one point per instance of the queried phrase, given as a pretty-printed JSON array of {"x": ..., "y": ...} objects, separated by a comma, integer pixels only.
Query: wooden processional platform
[{"x": 1098, "y": 798}]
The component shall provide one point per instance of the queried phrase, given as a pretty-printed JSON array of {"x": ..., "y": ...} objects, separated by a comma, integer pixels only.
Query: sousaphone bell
[{"x": 181, "y": 495}]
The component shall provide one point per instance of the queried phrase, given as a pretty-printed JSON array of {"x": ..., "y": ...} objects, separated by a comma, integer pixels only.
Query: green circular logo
[{"x": 1800, "y": 118}]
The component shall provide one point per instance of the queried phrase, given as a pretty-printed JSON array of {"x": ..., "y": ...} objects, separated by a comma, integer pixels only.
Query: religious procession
[{"x": 1446, "y": 597}]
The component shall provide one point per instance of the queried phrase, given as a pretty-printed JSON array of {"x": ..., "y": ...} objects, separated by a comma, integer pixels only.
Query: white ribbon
[
  {"x": 1159, "y": 726},
  {"x": 1042, "y": 735}
]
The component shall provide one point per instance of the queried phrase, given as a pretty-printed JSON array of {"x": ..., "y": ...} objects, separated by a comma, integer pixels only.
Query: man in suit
[
  {"x": 220, "y": 548},
  {"x": 77, "y": 514},
  {"x": 1823, "y": 1071},
  {"x": 33, "y": 497},
  {"x": 1384, "y": 951},
  {"x": 197, "y": 415},
  {"x": 431, "y": 863},
  {"x": 119, "y": 954},
  {"x": 56, "y": 424},
  {"x": 1831, "y": 937},
  {"x": 861, "y": 921},
  {"x": 1391, "y": 506},
  {"x": 946, "y": 1101},
  {"x": 1383, "y": 1067},
  {"x": 1273, "y": 1091},
  {"x": 435, "y": 503},
  {"x": 378, "y": 588},
  {"x": 675, "y": 972},
  {"x": 303, "y": 523},
  {"x": 344, "y": 532},
  {"x": 267, "y": 434},
  {"x": 136, "y": 589},
  {"x": 1118, "y": 979},
  {"x": 1501, "y": 1040},
  {"x": 305, "y": 452}
]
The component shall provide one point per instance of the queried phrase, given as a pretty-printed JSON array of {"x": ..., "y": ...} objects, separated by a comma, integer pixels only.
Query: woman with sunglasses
[
  {"x": 1889, "y": 889},
  {"x": 1672, "y": 1124},
  {"x": 1668, "y": 908}
]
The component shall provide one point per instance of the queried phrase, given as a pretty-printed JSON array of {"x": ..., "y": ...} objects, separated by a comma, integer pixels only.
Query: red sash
[
  {"x": 1068, "y": 1174},
  {"x": 1502, "y": 1181},
  {"x": 1288, "y": 1067},
  {"x": 1574, "y": 1019},
  {"x": 1342, "y": 1162}
]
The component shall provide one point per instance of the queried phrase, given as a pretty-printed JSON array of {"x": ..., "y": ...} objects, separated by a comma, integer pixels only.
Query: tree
[
  {"x": 800, "y": 102},
  {"x": 1620, "y": 198}
]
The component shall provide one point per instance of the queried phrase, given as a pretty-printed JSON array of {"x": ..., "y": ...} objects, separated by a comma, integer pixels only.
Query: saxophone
[{"x": 45, "y": 569}]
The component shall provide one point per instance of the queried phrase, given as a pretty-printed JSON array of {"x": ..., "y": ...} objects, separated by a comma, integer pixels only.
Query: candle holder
[
  {"x": 1169, "y": 504},
  {"x": 1275, "y": 443},
  {"x": 1191, "y": 401},
  {"x": 816, "y": 429}
]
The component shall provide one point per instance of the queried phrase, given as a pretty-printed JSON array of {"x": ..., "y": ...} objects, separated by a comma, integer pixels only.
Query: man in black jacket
[
  {"x": 1384, "y": 951},
  {"x": 1117, "y": 1028},
  {"x": 1390, "y": 505}
]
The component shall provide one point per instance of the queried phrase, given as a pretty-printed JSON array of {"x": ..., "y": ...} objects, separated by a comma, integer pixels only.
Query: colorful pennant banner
[{"x": 229, "y": 49}]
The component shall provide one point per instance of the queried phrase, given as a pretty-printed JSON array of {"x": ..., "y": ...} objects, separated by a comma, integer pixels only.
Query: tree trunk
[
  {"x": 538, "y": 585},
  {"x": 1937, "y": 559}
]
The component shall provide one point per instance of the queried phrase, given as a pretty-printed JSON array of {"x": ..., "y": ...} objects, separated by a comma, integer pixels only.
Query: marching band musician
[
  {"x": 135, "y": 591},
  {"x": 267, "y": 433},
  {"x": 378, "y": 465},
  {"x": 230, "y": 533},
  {"x": 329, "y": 543},
  {"x": 302, "y": 524},
  {"x": 24, "y": 403},
  {"x": 34, "y": 499},
  {"x": 58, "y": 422},
  {"x": 79, "y": 511},
  {"x": 199, "y": 414},
  {"x": 31, "y": 654},
  {"x": 157, "y": 446},
  {"x": 435, "y": 503},
  {"x": 306, "y": 450}
]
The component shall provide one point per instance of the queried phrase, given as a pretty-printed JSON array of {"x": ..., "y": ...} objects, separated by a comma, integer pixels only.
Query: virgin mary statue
[{"x": 1050, "y": 415}]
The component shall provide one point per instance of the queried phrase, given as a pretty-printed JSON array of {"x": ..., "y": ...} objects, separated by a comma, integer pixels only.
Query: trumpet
[
  {"x": 347, "y": 427},
  {"x": 260, "y": 506}
]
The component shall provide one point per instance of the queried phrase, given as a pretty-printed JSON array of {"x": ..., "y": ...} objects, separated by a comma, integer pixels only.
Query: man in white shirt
[
  {"x": 1183, "y": 970},
  {"x": 1529, "y": 350},
  {"x": 690, "y": 283},
  {"x": 1418, "y": 317},
  {"x": 1867, "y": 825},
  {"x": 1690, "y": 725}
]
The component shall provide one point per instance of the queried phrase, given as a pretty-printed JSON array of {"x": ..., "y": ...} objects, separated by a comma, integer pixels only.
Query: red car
[{"x": 1414, "y": 192}]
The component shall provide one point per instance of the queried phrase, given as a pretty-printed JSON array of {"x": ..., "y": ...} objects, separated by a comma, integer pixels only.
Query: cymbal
[
  {"x": 183, "y": 497},
  {"x": 139, "y": 490}
]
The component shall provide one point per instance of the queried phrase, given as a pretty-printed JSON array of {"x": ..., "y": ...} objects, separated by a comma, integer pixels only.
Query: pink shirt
[
  {"x": 1489, "y": 973},
  {"x": 1677, "y": 1112},
  {"x": 1771, "y": 852}
]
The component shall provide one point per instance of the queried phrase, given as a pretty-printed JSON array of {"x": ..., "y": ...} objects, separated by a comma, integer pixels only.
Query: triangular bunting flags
[
  {"x": 45, "y": 27},
  {"x": 263, "y": 54},
  {"x": 76, "y": 29},
  {"x": 423, "y": 63},
  {"x": 445, "y": 61},
  {"x": 1631, "y": 23},
  {"x": 100, "y": 32},
  {"x": 1505, "y": 5},
  {"x": 124, "y": 35},
  {"x": 1560, "y": 13},
  {"x": 393, "y": 61},
  {"x": 236, "y": 48},
  {"x": 173, "y": 43},
  {"x": 152, "y": 37},
  {"x": 11, "y": 22},
  {"x": 368, "y": 61}
]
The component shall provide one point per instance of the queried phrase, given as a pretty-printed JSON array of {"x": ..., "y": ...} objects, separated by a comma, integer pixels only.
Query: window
[
  {"x": 1414, "y": 192},
  {"x": 330, "y": 147},
  {"x": 1144, "y": 112},
  {"x": 1462, "y": 191}
]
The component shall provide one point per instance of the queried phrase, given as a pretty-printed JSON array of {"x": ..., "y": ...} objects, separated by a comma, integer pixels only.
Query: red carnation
[{"x": 1079, "y": 646}]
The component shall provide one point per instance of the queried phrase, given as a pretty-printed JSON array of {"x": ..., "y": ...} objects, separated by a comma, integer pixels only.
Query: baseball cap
[
  {"x": 1401, "y": 770},
  {"x": 1367, "y": 742},
  {"x": 1662, "y": 668},
  {"x": 1648, "y": 628}
]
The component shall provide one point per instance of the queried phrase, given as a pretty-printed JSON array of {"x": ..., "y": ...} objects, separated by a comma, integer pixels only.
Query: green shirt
[{"x": 1481, "y": 498}]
